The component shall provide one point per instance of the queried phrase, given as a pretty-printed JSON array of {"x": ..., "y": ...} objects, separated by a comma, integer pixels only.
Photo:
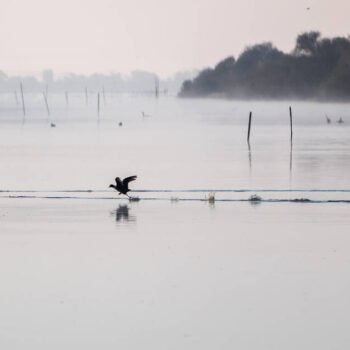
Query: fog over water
[
  {"x": 89, "y": 269},
  {"x": 178, "y": 144}
]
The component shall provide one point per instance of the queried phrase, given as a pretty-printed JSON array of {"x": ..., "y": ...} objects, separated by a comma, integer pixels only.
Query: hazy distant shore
[{"x": 136, "y": 82}]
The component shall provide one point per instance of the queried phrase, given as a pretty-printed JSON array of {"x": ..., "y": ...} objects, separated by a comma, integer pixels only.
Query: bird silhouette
[{"x": 123, "y": 186}]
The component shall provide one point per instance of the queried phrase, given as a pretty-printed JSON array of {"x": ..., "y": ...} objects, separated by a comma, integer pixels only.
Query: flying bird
[{"x": 123, "y": 186}]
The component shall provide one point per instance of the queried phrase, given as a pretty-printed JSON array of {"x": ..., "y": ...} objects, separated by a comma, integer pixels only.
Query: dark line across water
[
  {"x": 183, "y": 191},
  {"x": 295, "y": 200}
]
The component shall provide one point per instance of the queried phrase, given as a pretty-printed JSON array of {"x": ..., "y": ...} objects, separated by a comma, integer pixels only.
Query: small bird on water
[{"x": 123, "y": 186}]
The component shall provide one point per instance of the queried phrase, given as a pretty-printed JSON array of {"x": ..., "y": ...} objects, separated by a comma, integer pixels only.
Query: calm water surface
[{"x": 93, "y": 270}]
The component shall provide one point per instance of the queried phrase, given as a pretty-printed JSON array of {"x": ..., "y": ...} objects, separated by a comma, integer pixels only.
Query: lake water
[{"x": 83, "y": 268}]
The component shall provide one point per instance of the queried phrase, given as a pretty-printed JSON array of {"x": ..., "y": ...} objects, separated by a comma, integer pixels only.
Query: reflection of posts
[
  {"x": 250, "y": 158},
  {"x": 291, "y": 157}
]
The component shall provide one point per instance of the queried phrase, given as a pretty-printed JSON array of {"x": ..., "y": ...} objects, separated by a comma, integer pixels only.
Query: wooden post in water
[
  {"x": 291, "y": 145},
  {"x": 98, "y": 106},
  {"x": 46, "y": 104},
  {"x": 16, "y": 97},
  {"x": 67, "y": 100},
  {"x": 291, "y": 123},
  {"x": 86, "y": 96},
  {"x": 23, "y": 106},
  {"x": 249, "y": 124}
]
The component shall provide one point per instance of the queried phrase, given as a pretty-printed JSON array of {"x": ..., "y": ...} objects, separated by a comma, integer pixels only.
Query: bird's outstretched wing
[
  {"x": 129, "y": 179},
  {"x": 118, "y": 181}
]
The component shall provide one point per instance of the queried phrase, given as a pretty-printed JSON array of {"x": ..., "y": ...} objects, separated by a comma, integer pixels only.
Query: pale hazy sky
[{"x": 163, "y": 36}]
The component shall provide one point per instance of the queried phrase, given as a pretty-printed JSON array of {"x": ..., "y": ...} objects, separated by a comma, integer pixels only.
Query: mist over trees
[
  {"x": 317, "y": 68},
  {"x": 136, "y": 82}
]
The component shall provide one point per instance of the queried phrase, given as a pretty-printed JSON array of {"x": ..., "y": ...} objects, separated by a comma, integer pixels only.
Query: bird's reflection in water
[{"x": 122, "y": 214}]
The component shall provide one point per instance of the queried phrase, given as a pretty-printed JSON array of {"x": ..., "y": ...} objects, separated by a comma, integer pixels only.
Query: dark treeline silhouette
[{"x": 317, "y": 68}]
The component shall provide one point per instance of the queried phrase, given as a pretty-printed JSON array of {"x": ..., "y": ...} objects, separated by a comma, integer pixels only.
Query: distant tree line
[
  {"x": 136, "y": 81},
  {"x": 317, "y": 68}
]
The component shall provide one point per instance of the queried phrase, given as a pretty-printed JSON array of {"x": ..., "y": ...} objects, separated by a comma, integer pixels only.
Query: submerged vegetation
[{"x": 317, "y": 68}]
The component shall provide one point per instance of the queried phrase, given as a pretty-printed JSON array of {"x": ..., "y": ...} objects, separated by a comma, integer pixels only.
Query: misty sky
[{"x": 164, "y": 36}]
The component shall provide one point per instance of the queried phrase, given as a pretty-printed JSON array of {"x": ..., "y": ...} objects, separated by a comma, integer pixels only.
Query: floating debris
[
  {"x": 174, "y": 199},
  {"x": 53, "y": 125},
  {"x": 134, "y": 199},
  {"x": 211, "y": 198},
  {"x": 255, "y": 198},
  {"x": 301, "y": 200},
  {"x": 120, "y": 124}
]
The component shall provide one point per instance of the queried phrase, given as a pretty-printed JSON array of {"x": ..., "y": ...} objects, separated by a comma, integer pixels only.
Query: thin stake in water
[
  {"x": 249, "y": 125},
  {"x": 98, "y": 106},
  {"x": 291, "y": 123},
  {"x": 46, "y": 104},
  {"x": 291, "y": 159},
  {"x": 86, "y": 96},
  {"x": 67, "y": 99},
  {"x": 250, "y": 158},
  {"x": 23, "y": 105}
]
